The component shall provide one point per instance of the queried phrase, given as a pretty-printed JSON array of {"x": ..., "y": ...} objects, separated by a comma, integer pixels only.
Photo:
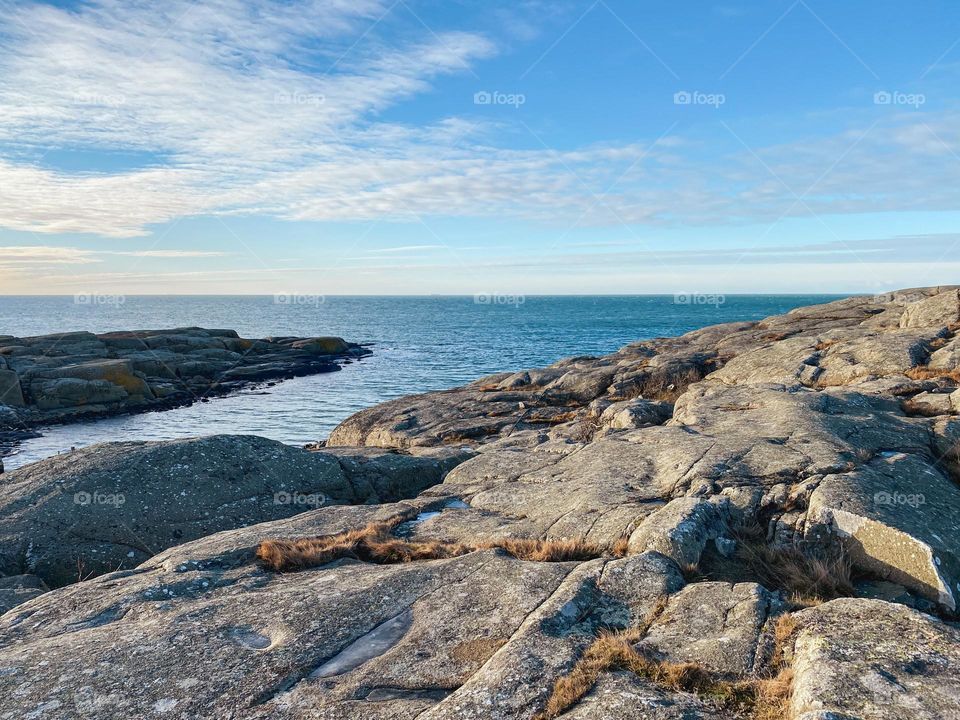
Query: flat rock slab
[
  {"x": 873, "y": 660},
  {"x": 714, "y": 624},
  {"x": 624, "y": 696}
]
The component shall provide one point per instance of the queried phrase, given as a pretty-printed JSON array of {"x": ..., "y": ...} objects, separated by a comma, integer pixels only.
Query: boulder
[
  {"x": 10, "y": 391},
  {"x": 896, "y": 517}
]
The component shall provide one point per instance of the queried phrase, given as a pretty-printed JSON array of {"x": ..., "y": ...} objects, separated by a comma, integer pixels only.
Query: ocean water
[{"x": 418, "y": 343}]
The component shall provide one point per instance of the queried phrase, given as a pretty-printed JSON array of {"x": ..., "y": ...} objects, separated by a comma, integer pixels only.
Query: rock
[
  {"x": 714, "y": 624},
  {"x": 10, "y": 391},
  {"x": 826, "y": 429},
  {"x": 679, "y": 530},
  {"x": 114, "y": 505},
  {"x": 69, "y": 376},
  {"x": 876, "y": 661},
  {"x": 322, "y": 345},
  {"x": 624, "y": 696},
  {"x": 940, "y": 310},
  {"x": 633, "y": 414},
  {"x": 895, "y": 517},
  {"x": 18, "y": 589}
]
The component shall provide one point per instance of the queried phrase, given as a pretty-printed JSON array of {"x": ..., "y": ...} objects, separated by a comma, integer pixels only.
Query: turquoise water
[{"x": 419, "y": 344}]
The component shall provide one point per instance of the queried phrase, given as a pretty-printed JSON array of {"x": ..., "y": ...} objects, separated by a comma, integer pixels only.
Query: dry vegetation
[
  {"x": 763, "y": 698},
  {"x": 924, "y": 372},
  {"x": 376, "y": 544},
  {"x": 807, "y": 579}
]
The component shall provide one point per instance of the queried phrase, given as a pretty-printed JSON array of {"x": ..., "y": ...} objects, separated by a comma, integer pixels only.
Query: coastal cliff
[{"x": 753, "y": 520}]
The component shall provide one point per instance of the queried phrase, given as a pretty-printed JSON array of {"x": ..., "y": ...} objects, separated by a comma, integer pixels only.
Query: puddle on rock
[
  {"x": 375, "y": 643},
  {"x": 405, "y": 529}
]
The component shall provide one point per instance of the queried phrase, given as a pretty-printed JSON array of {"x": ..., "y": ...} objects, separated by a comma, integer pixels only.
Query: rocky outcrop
[
  {"x": 696, "y": 504},
  {"x": 56, "y": 378},
  {"x": 112, "y": 506}
]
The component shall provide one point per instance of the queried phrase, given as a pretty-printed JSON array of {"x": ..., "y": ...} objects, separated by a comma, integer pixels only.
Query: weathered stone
[
  {"x": 10, "y": 391},
  {"x": 18, "y": 589},
  {"x": 714, "y": 624},
  {"x": 938, "y": 311},
  {"x": 679, "y": 530},
  {"x": 114, "y": 505},
  {"x": 57, "y": 378},
  {"x": 873, "y": 660},
  {"x": 896, "y": 517}
]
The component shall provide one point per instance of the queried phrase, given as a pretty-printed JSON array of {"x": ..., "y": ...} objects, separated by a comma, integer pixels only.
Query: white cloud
[{"x": 271, "y": 108}]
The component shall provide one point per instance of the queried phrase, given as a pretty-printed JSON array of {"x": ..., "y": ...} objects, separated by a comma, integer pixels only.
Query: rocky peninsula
[
  {"x": 79, "y": 375},
  {"x": 755, "y": 520}
]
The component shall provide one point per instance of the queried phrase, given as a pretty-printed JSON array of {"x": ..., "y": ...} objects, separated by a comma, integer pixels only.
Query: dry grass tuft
[
  {"x": 376, "y": 544},
  {"x": 545, "y": 550},
  {"x": 806, "y": 578},
  {"x": 621, "y": 547},
  {"x": 923, "y": 372},
  {"x": 759, "y": 699}
]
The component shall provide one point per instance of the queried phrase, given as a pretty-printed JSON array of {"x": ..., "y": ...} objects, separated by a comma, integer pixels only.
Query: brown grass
[
  {"x": 760, "y": 699},
  {"x": 621, "y": 547},
  {"x": 808, "y": 579},
  {"x": 376, "y": 544},
  {"x": 924, "y": 372}
]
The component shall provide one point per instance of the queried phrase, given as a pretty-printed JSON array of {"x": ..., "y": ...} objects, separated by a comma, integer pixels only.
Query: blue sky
[{"x": 355, "y": 147}]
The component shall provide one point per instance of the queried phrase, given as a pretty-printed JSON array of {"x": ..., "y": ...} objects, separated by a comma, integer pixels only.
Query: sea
[{"x": 418, "y": 343}]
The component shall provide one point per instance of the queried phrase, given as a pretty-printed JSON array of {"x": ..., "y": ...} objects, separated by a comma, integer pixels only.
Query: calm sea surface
[{"x": 419, "y": 344}]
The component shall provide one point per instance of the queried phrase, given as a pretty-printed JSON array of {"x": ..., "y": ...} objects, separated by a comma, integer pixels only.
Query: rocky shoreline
[
  {"x": 66, "y": 377},
  {"x": 753, "y": 520}
]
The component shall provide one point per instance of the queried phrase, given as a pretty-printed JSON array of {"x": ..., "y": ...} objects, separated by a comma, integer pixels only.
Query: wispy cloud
[{"x": 274, "y": 108}]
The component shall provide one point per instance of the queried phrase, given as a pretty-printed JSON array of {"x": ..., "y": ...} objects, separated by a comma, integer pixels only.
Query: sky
[{"x": 455, "y": 147}]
